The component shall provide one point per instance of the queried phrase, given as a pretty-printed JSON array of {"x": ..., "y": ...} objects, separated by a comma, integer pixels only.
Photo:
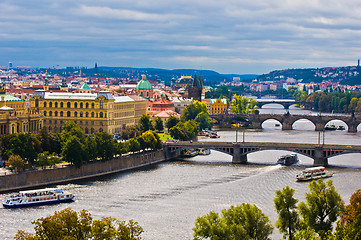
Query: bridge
[
  {"x": 239, "y": 150},
  {"x": 255, "y": 121},
  {"x": 286, "y": 103}
]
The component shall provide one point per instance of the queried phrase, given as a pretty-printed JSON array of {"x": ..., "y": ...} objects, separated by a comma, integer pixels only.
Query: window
[
  {"x": 50, "y": 104},
  {"x": 61, "y": 113},
  {"x": 101, "y": 104},
  {"x": 87, "y": 105},
  {"x": 36, "y": 102},
  {"x": 81, "y": 105},
  {"x": 76, "y": 105},
  {"x": 44, "y": 113},
  {"x": 50, "y": 113},
  {"x": 75, "y": 114},
  {"x": 92, "y": 114},
  {"x": 86, "y": 114},
  {"x": 101, "y": 114},
  {"x": 56, "y": 113},
  {"x": 44, "y": 104},
  {"x": 61, "y": 104},
  {"x": 81, "y": 114},
  {"x": 92, "y": 105},
  {"x": 56, "y": 104},
  {"x": 68, "y": 114},
  {"x": 68, "y": 104}
]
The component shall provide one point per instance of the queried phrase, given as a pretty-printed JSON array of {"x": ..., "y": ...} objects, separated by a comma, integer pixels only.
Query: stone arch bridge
[
  {"x": 286, "y": 103},
  {"x": 287, "y": 120},
  {"x": 239, "y": 150}
]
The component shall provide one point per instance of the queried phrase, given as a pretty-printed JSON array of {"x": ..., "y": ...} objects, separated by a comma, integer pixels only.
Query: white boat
[
  {"x": 313, "y": 173},
  {"x": 37, "y": 197}
]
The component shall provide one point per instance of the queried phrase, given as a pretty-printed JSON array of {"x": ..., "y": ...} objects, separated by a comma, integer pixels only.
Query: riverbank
[{"x": 69, "y": 173}]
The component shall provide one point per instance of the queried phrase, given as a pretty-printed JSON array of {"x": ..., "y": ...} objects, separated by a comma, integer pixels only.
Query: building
[
  {"x": 218, "y": 106},
  {"x": 93, "y": 112},
  {"x": 161, "y": 105},
  {"x": 195, "y": 89},
  {"x": 15, "y": 117},
  {"x": 144, "y": 88}
]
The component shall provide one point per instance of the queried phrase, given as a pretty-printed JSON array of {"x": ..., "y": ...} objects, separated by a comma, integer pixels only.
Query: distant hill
[
  {"x": 210, "y": 77},
  {"x": 345, "y": 75}
]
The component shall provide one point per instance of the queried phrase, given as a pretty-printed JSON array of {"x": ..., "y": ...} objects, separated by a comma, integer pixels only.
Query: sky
[{"x": 227, "y": 36}]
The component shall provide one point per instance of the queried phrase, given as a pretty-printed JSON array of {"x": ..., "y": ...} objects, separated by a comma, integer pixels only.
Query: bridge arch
[
  {"x": 307, "y": 124},
  {"x": 269, "y": 104},
  {"x": 271, "y": 123},
  {"x": 336, "y": 123}
]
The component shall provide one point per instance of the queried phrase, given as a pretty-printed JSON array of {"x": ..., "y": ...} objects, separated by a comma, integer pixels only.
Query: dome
[{"x": 144, "y": 85}]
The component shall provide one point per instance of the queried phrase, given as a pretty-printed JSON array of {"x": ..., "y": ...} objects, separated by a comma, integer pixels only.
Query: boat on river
[
  {"x": 37, "y": 197},
  {"x": 330, "y": 127},
  {"x": 204, "y": 151},
  {"x": 313, "y": 173},
  {"x": 288, "y": 159}
]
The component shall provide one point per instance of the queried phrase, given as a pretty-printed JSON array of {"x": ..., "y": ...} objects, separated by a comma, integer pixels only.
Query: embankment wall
[{"x": 68, "y": 173}]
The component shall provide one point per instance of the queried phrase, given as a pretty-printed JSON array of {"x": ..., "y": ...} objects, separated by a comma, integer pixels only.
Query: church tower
[
  {"x": 64, "y": 85},
  {"x": 46, "y": 84},
  {"x": 195, "y": 90}
]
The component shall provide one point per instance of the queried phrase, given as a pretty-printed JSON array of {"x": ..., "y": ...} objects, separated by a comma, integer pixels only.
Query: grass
[{"x": 164, "y": 137}]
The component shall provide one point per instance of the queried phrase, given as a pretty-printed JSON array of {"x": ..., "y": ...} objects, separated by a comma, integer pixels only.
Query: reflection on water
[{"x": 167, "y": 198}]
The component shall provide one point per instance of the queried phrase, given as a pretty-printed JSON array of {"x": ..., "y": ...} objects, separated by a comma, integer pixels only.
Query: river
[{"x": 167, "y": 198}]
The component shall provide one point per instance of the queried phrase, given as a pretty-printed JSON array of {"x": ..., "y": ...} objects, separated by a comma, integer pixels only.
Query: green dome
[{"x": 144, "y": 85}]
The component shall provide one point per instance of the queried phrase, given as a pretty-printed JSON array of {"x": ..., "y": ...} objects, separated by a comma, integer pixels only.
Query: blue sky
[{"x": 229, "y": 36}]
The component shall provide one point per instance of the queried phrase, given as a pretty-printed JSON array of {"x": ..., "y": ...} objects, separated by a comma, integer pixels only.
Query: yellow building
[
  {"x": 93, "y": 112},
  {"x": 15, "y": 117},
  {"x": 218, "y": 106}
]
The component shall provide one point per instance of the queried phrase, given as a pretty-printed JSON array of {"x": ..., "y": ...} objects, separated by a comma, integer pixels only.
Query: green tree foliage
[
  {"x": 349, "y": 224},
  {"x": 68, "y": 224},
  {"x": 241, "y": 104},
  {"x": 145, "y": 123},
  {"x": 322, "y": 207},
  {"x": 243, "y": 221},
  {"x": 46, "y": 159},
  {"x": 184, "y": 130},
  {"x": 15, "y": 162},
  {"x": 50, "y": 142},
  {"x": 286, "y": 208},
  {"x": 129, "y": 132},
  {"x": 158, "y": 124},
  {"x": 91, "y": 147},
  {"x": 220, "y": 92},
  {"x": 105, "y": 145},
  {"x": 72, "y": 129},
  {"x": 73, "y": 151},
  {"x": 171, "y": 122},
  {"x": 191, "y": 111},
  {"x": 151, "y": 140},
  {"x": 204, "y": 121},
  {"x": 134, "y": 145},
  {"x": 26, "y": 145}
]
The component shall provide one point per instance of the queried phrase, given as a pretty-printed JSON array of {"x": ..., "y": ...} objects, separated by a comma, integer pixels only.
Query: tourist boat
[
  {"x": 37, "y": 197},
  {"x": 341, "y": 128},
  {"x": 189, "y": 153},
  {"x": 204, "y": 151},
  {"x": 288, "y": 159},
  {"x": 313, "y": 173}
]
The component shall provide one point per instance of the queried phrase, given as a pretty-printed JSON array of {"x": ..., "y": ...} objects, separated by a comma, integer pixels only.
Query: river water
[{"x": 167, "y": 198}]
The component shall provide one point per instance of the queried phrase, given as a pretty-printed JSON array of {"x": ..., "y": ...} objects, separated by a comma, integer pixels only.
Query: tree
[
  {"x": 15, "y": 162},
  {"x": 204, "y": 121},
  {"x": 191, "y": 111},
  {"x": 134, "y": 145},
  {"x": 25, "y": 145},
  {"x": 73, "y": 151},
  {"x": 72, "y": 129},
  {"x": 241, "y": 104},
  {"x": 105, "y": 145},
  {"x": 171, "y": 122},
  {"x": 286, "y": 209},
  {"x": 91, "y": 147},
  {"x": 158, "y": 124},
  {"x": 349, "y": 225},
  {"x": 151, "y": 140},
  {"x": 46, "y": 159},
  {"x": 243, "y": 221},
  {"x": 184, "y": 130},
  {"x": 145, "y": 123},
  {"x": 323, "y": 206},
  {"x": 68, "y": 224}
]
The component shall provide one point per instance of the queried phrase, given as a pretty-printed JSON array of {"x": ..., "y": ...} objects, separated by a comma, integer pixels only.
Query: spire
[
  {"x": 46, "y": 82},
  {"x": 63, "y": 83},
  {"x": 195, "y": 83},
  {"x": 96, "y": 68}
]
